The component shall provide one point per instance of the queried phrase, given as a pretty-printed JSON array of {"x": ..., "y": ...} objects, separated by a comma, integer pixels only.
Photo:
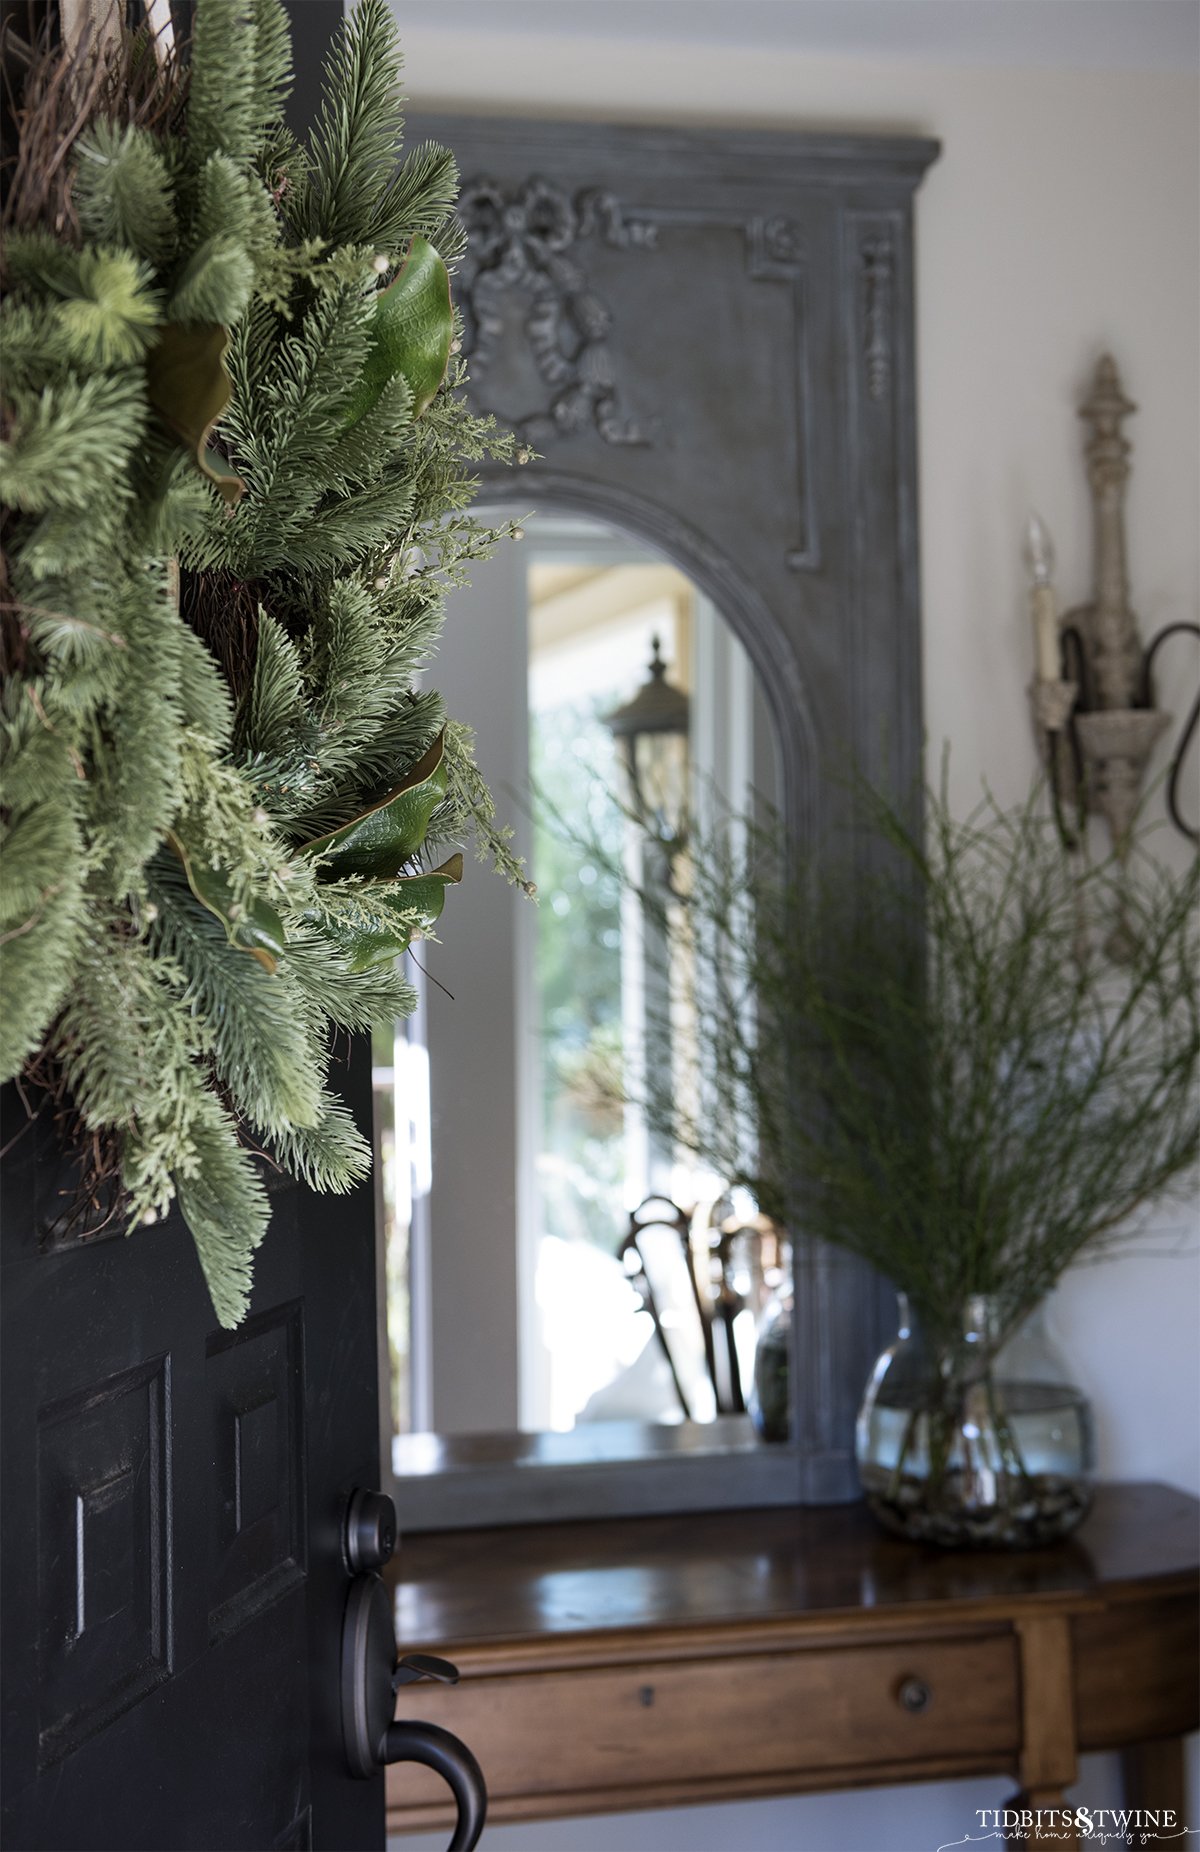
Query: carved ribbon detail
[{"x": 520, "y": 244}]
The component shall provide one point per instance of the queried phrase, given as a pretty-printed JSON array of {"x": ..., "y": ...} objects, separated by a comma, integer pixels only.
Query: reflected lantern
[{"x": 651, "y": 733}]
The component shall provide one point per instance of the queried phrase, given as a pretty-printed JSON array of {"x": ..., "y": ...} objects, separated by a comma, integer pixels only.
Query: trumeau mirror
[{"x": 707, "y": 339}]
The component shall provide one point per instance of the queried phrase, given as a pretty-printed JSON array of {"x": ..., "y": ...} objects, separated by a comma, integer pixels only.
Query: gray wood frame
[{"x": 707, "y": 337}]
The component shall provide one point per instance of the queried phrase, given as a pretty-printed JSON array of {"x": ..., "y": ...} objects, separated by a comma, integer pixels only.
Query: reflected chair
[
  {"x": 656, "y": 1253},
  {"x": 697, "y": 1274}
]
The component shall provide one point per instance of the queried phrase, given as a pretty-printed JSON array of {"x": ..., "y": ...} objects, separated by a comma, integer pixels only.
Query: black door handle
[
  {"x": 372, "y": 1739},
  {"x": 453, "y": 1761}
]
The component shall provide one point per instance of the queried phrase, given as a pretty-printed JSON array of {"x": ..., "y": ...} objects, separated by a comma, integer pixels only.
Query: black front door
[
  {"x": 174, "y": 1504},
  {"x": 174, "y": 1496}
]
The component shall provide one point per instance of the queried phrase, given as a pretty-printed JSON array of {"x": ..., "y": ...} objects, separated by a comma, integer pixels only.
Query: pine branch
[
  {"x": 124, "y": 194},
  {"x": 357, "y": 1001},
  {"x": 224, "y": 97},
  {"x": 205, "y": 702},
  {"x": 71, "y": 446},
  {"x": 357, "y": 137},
  {"x": 379, "y": 764},
  {"x": 42, "y": 904},
  {"x": 332, "y": 1155},
  {"x": 215, "y": 284},
  {"x": 273, "y": 715},
  {"x": 262, "y": 1045},
  {"x": 420, "y": 199},
  {"x": 224, "y": 1203},
  {"x": 272, "y": 64},
  {"x": 135, "y": 778}
]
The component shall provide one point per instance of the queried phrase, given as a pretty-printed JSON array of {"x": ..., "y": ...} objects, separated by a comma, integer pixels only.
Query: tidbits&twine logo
[{"x": 1117, "y": 1826}]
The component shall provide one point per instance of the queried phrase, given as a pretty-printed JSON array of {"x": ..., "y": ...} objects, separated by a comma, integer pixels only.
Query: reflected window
[{"x": 593, "y": 630}]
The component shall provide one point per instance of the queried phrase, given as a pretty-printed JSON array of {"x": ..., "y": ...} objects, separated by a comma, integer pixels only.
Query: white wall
[{"x": 1062, "y": 218}]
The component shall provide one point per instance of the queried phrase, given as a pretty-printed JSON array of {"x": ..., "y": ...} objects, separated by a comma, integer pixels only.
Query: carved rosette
[
  {"x": 776, "y": 244},
  {"x": 522, "y": 258}
]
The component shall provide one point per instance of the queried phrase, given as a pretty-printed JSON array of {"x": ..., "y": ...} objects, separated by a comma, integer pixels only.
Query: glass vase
[
  {"x": 974, "y": 1442},
  {"x": 770, "y": 1401}
]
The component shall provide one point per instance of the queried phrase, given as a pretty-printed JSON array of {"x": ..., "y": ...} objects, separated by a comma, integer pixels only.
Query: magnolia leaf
[
  {"x": 187, "y": 382},
  {"x": 411, "y": 332},
  {"x": 380, "y": 840},
  {"x": 225, "y": 480},
  {"x": 256, "y": 928},
  {"x": 421, "y": 895}
]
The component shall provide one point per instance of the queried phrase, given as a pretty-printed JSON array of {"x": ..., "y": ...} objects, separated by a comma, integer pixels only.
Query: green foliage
[
  {"x": 924, "y": 1055},
  {"x": 111, "y": 322},
  {"x": 133, "y": 1056},
  {"x": 41, "y": 894},
  {"x": 261, "y": 1040},
  {"x": 226, "y": 565},
  {"x": 226, "y": 109},
  {"x": 388, "y": 833},
  {"x": 187, "y": 383},
  {"x": 134, "y": 759},
  {"x": 469, "y": 809},
  {"x": 331, "y": 1155},
  {"x": 225, "y": 1205},
  {"x": 123, "y": 192},
  {"x": 354, "y": 144},
  {"x": 69, "y": 446},
  {"x": 39, "y": 261},
  {"x": 420, "y": 199},
  {"x": 272, "y": 66},
  {"x": 411, "y": 331},
  {"x": 215, "y": 284}
]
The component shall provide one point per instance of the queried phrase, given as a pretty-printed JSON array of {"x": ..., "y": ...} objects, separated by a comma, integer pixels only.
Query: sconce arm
[{"x": 1185, "y": 736}]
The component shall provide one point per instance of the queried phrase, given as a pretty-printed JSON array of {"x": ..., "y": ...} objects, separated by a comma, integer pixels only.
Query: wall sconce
[
  {"x": 651, "y": 733},
  {"x": 1093, "y": 695}
]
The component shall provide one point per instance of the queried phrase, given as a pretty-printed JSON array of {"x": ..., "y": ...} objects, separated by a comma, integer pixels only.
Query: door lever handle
[
  {"x": 370, "y": 1677},
  {"x": 438, "y": 1749},
  {"x": 415, "y": 1666}
]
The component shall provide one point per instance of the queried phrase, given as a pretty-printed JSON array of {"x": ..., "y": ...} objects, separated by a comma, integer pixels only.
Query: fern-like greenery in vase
[{"x": 920, "y": 1054}]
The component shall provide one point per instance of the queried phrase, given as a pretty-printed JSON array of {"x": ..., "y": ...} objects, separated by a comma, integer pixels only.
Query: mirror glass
[{"x": 585, "y": 1274}]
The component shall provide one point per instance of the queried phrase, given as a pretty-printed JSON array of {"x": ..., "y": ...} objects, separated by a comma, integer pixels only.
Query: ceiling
[{"x": 1062, "y": 34}]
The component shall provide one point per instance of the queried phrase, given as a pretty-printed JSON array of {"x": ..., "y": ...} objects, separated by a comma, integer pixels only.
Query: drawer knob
[{"x": 915, "y": 1696}]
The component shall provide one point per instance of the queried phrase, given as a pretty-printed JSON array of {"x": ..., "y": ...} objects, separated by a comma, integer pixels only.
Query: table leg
[
  {"x": 1153, "y": 1775},
  {"x": 1050, "y": 1802},
  {"x": 1047, "y": 1762}
]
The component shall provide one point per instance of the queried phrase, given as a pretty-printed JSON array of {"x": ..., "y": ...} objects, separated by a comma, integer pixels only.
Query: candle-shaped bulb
[
  {"x": 1039, "y": 550},
  {"x": 1039, "y": 557}
]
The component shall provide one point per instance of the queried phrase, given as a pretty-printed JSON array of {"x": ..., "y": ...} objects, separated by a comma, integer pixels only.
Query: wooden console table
[{"x": 670, "y": 1661}]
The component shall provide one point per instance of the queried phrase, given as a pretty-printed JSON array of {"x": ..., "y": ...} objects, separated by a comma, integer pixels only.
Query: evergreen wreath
[{"x": 234, "y": 471}]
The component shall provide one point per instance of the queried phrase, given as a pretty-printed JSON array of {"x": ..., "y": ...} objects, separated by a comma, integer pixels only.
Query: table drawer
[{"x": 632, "y": 1726}]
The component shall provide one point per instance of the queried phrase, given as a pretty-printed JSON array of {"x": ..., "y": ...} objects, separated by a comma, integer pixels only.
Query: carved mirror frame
[{"x": 707, "y": 337}]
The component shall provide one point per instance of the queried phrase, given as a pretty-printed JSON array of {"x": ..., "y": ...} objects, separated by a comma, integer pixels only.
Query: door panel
[
  {"x": 174, "y": 1578},
  {"x": 255, "y": 1393}
]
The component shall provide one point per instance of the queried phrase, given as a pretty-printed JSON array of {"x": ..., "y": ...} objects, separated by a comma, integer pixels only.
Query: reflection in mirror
[{"x": 636, "y": 1281}]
